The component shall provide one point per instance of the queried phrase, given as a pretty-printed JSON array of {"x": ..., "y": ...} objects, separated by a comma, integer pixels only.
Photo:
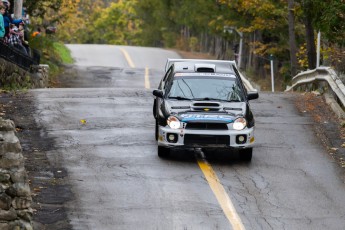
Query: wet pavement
[{"x": 92, "y": 159}]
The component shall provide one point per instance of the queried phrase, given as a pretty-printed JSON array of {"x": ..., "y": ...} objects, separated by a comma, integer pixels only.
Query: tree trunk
[
  {"x": 257, "y": 62},
  {"x": 310, "y": 37},
  {"x": 18, "y": 7},
  {"x": 292, "y": 38}
]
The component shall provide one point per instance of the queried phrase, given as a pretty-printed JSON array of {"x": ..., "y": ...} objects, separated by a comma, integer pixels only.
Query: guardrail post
[
  {"x": 272, "y": 72},
  {"x": 318, "y": 49}
]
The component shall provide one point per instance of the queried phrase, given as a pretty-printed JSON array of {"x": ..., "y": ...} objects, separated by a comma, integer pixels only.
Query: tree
[
  {"x": 39, "y": 8},
  {"x": 118, "y": 24},
  {"x": 331, "y": 20},
  {"x": 292, "y": 38}
]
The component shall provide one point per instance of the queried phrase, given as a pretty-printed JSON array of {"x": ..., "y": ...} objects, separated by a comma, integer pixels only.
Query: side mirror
[
  {"x": 252, "y": 95},
  {"x": 158, "y": 93}
]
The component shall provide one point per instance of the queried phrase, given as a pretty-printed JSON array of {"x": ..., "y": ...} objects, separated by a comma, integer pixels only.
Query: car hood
[{"x": 205, "y": 111}]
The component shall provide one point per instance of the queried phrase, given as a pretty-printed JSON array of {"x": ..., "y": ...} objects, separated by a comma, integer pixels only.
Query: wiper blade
[
  {"x": 209, "y": 99},
  {"x": 179, "y": 98}
]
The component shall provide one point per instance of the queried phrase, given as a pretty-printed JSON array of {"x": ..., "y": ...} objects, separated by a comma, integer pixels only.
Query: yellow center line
[
  {"x": 128, "y": 58},
  {"x": 147, "y": 79},
  {"x": 221, "y": 195}
]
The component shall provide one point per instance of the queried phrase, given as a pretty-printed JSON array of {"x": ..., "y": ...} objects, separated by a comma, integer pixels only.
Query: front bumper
[{"x": 186, "y": 138}]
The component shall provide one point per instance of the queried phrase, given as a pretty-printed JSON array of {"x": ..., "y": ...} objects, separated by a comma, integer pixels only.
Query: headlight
[
  {"x": 240, "y": 123},
  {"x": 173, "y": 122}
]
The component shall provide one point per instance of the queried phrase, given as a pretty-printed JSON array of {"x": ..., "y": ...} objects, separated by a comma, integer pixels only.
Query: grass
[{"x": 63, "y": 52}]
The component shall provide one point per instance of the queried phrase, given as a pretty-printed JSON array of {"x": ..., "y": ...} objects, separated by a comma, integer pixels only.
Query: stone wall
[
  {"x": 15, "y": 195},
  {"x": 14, "y": 77}
]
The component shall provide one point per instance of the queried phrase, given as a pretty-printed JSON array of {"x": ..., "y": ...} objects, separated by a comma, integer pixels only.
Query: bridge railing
[
  {"x": 16, "y": 57},
  {"x": 322, "y": 77}
]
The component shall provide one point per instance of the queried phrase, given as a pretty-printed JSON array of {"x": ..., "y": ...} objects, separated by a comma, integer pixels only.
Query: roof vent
[{"x": 206, "y": 68}]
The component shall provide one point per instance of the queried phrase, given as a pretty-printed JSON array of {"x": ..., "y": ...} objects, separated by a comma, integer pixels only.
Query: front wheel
[
  {"x": 163, "y": 152},
  {"x": 156, "y": 131},
  {"x": 246, "y": 154}
]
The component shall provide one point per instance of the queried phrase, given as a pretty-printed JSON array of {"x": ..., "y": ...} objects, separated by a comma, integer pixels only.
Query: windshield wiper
[
  {"x": 211, "y": 99},
  {"x": 179, "y": 98}
]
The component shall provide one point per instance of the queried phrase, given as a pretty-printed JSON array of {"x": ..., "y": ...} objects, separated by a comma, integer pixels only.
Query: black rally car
[{"x": 203, "y": 104}]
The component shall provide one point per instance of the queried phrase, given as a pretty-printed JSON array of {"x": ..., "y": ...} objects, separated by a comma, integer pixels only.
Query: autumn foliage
[{"x": 199, "y": 26}]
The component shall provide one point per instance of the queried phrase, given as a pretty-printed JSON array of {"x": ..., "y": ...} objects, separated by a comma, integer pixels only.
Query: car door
[{"x": 158, "y": 101}]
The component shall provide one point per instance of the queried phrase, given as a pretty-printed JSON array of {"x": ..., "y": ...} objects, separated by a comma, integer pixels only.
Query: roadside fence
[{"x": 16, "y": 57}]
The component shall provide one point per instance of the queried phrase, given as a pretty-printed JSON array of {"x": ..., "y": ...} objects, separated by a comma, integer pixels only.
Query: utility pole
[{"x": 17, "y": 9}]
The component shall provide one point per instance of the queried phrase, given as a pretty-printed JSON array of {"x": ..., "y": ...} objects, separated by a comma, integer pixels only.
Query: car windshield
[{"x": 204, "y": 88}]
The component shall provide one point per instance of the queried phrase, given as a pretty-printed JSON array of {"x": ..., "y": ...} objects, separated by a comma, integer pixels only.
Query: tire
[
  {"x": 163, "y": 152},
  {"x": 154, "y": 108},
  {"x": 156, "y": 131},
  {"x": 246, "y": 154}
]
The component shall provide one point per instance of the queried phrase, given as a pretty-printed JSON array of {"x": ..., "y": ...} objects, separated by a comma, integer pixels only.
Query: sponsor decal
[
  {"x": 204, "y": 75},
  {"x": 206, "y": 117}
]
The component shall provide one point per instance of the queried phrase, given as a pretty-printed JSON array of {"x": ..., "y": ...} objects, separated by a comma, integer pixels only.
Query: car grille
[
  {"x": 190, "y": 139},
  {"x": 206, "y": 106},
  {"x": 207, "y": 126}
]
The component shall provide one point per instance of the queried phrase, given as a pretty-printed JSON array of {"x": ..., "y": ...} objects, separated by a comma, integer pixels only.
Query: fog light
[
  {"x": 172, "y": 137},
  {"x": 241, "y": 139}
]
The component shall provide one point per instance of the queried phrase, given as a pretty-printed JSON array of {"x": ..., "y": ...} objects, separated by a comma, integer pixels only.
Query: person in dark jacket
[{"x": 8, "y": 19}]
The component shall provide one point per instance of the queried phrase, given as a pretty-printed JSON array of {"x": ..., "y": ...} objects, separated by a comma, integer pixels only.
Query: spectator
[
  {"x": 15, "y": 40},
  {"x": 23, "y": 37},
  {"x": 2, "y": 26},
  {"x": 7, "y": 17},
  {"x": 36, "y": 54},
  {"x": 36, "y": 33}
]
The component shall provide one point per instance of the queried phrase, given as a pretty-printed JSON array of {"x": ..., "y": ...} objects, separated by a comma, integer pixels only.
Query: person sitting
[
  {"x": 23, "y": 37},
  {"x": 15, "y": 40}
]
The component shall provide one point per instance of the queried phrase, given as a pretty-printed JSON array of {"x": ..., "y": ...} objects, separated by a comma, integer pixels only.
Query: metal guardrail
[
  {"x": 321, "y": 74},
  {"x": 247, "y": 83},
  {"x": 16, "y": 57}
]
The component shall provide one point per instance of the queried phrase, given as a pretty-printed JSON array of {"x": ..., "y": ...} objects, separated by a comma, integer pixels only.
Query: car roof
[
  {"x": 224, "y": 63},
  {"x": 203, "y": 67}
]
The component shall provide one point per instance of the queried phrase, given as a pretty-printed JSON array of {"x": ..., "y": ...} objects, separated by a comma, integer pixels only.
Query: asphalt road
[{"x": 102, "y": 132}]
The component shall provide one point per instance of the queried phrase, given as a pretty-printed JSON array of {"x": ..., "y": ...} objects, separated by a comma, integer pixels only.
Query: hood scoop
[{"x": 206, "y": 106}]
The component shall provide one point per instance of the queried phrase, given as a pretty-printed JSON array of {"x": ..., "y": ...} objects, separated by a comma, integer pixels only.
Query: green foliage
[
  {"x": 332, "y": 20},
  {"x": 39, "y": 8},
  {"x": 52, "y": 52},
  {"x": 63, "y": 52},
  {"x": 196, "y": 25},
  {"x": 118, "y": 24}
]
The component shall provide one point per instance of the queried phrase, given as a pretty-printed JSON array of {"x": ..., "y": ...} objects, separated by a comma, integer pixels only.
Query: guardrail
[
  {"x": 320, "y": 76},
  {"x": 16, "y": 57},
  {"x": 247, "y": 83}
]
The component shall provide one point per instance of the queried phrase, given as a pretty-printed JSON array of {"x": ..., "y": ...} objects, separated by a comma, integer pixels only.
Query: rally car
[{"x": 203, "y": 104}]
